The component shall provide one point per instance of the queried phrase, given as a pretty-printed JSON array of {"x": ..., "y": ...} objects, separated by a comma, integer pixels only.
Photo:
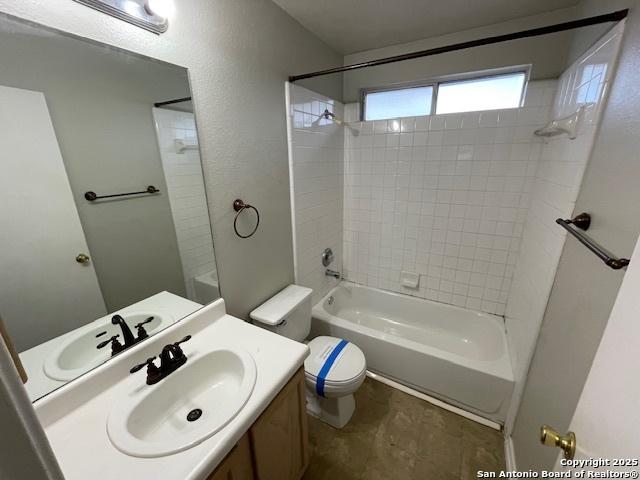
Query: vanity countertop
[{"x": 75, "y": 416}]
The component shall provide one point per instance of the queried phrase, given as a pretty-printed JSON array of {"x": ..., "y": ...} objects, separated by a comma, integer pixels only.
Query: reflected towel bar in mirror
[
  {"x": 91, "y": 196},
  {"x": 583, "y": 221}
]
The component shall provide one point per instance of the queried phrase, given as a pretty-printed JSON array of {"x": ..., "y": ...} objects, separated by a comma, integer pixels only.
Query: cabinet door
[
  {"x": 279, "y": 438},
  {"x": 237, "y": 465}
]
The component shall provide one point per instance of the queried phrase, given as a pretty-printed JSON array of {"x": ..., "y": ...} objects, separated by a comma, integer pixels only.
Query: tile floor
[{"x": 396, "y": 436}]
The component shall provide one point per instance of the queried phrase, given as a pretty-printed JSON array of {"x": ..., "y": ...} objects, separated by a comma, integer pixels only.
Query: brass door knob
[
  {"x": 82, "y": 258},
  {"x": 551, "y": 438}
]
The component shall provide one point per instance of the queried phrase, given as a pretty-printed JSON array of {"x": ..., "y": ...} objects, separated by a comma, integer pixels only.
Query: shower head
[{"x": 327, "y": 115}]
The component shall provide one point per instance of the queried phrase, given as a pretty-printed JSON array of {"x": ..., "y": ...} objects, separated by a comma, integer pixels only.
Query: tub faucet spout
[{"x": 332, "y": 273}]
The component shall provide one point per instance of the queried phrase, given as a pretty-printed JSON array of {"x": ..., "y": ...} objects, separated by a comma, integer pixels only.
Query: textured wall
[{"x": 239, "y": 54}]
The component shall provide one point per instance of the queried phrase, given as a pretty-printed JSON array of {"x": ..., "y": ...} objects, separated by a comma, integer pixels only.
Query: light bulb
[{"x": 162, "y": 8}]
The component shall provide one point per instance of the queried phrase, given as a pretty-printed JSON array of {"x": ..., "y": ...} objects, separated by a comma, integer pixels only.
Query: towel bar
[{"x": 583, "y": 221}]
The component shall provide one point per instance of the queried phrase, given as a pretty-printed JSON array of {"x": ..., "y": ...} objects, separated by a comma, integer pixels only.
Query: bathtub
[{"x": 456, "y": 355}]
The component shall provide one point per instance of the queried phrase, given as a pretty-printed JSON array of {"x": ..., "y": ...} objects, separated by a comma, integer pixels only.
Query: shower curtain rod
[
  {"x": 171, "y": 102},
  {"x": 534, "y": 32}
]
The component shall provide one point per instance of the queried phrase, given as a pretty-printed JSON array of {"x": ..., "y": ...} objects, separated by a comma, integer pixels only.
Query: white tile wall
[
  {"x": 555, "y": 190},
  {"x": 445, "y": 196},
  {"x": 183, "y": 174},
  {"x": 317, "y": 166}
]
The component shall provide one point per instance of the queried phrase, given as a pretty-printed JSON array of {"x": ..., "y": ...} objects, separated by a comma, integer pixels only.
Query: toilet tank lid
[{"x": 278, "y": 307}]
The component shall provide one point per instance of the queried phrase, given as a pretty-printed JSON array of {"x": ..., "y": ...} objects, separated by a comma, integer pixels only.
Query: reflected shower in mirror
[{"x": 86, "y": 271}]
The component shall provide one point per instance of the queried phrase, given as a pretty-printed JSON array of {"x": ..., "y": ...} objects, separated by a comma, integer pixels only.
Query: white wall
[
  {"x": 185, "y": 187},
  {"x": 317, "y": 172},
  {"x": 239, "y": 54},
  {"x": 444, "y": 196},
  {"x": 557, "y": 184},
  {"x": 547, "y": 54}
]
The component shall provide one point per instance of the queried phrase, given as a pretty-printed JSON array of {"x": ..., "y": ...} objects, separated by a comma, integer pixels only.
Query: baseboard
[
  {"x": 509, "y": 455},
  {"x": 434, "y": 401}
]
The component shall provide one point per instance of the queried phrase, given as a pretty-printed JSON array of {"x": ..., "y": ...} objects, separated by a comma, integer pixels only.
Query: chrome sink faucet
[{"x": 332, "y": 273}]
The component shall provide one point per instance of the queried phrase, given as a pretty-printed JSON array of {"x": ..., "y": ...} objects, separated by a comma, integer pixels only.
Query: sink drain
[{"x": 194, "y": 415}]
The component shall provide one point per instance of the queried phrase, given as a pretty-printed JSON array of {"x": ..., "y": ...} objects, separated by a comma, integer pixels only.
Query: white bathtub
[{"x": 457, "y": 355}]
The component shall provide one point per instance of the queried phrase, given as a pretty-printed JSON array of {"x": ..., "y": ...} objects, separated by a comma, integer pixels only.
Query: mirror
[{"x": 105, "y": 236}]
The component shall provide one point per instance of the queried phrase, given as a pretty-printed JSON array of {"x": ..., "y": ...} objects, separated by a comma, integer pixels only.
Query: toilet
[{"x": 335, "y": 368}]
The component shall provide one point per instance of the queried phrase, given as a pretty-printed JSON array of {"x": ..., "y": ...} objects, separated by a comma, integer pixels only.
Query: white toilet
[{"x": 335, "y": 369}]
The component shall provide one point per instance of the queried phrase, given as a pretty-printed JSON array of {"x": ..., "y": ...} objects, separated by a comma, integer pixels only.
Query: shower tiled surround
[
  {"x": 317, "y": 171},
  {"x": 183, "y": 174},
  {"x": 555, "y": 189},
  {"x": 444, "y": 196}
]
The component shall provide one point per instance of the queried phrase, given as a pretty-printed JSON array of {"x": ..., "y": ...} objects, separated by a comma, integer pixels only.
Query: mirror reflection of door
[
  {"x": 40, "y": 223},
  {"x": 78, "y": 117}
]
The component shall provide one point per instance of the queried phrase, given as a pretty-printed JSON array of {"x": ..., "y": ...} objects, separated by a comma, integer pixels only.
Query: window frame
[{"x": 455, "y": 78}]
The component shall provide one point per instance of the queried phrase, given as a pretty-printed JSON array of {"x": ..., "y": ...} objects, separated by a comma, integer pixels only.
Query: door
[
  {"x": 40, "y": 231},
  {"x": 607, "y": 419}
]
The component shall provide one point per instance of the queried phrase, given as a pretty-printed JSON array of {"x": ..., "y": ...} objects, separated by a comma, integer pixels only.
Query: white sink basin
[
  {"x": 151, "y": 420},
  {"x": 77, "y": 353}
]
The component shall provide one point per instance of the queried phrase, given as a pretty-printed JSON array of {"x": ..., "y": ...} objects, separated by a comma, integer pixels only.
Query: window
[
  {"x": 404, "y": 102},
  {"x": 489, "y": 92}
]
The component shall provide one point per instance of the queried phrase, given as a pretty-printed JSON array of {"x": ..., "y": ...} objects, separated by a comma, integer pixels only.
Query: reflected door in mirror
[{"x": 44, "y": 286}]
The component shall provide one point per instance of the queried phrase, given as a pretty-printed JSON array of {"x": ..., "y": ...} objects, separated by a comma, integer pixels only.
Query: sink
[
  {"x": 185, "y": 408},
  {"x": 77, "y": 353}
]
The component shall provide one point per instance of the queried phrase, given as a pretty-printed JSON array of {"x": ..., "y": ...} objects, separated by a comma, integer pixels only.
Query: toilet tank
[{"x": 287, "y": 313}]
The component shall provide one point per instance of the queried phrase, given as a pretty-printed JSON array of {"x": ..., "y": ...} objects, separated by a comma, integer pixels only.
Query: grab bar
[{"x": 583, "y": 221}]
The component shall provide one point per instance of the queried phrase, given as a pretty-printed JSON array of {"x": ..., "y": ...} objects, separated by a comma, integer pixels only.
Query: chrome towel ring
[{"x": 239, "y": 206}]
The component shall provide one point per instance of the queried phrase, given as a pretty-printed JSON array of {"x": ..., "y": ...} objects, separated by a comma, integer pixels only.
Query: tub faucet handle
[{"x": 332, "y": 273}]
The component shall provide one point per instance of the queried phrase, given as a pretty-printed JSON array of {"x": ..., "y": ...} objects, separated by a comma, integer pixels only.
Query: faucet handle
[
  {"x": 150, "y": 319},
  {"x": 140, "y": 330},
  {"x": 108, "y": 341},
  {"x": 185, "y": 339},
  {"x": 178, "y": 351},
  {"x": 148, "y": 363}
]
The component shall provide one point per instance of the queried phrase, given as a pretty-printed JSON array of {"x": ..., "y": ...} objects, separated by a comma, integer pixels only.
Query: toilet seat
[{"x": 347, "y": 371}]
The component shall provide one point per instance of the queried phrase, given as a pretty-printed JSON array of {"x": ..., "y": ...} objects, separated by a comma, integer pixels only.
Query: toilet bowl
[
  {"x": 335, "y": 368},
  {"x": 330, "y": 391}
]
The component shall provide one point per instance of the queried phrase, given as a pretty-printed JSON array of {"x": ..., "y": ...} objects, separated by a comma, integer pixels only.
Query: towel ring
[{"x": 239, "y": 206}]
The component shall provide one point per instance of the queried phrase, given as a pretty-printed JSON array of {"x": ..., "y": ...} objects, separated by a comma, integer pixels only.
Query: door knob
[
  {"x": 82, "y": 258},
  {"x": 566, "y": 443}
]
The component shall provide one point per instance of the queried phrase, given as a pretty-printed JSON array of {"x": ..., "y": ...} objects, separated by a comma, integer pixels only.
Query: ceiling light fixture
[
  {"x": 151, "y": 15},
  {"x": 162, "y": 8}
]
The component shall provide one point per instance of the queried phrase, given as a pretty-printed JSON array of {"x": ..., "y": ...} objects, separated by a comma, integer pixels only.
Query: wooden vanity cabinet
[
  {"x": 276, "y": 447},
  {"x": 237, "y": 465}
]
